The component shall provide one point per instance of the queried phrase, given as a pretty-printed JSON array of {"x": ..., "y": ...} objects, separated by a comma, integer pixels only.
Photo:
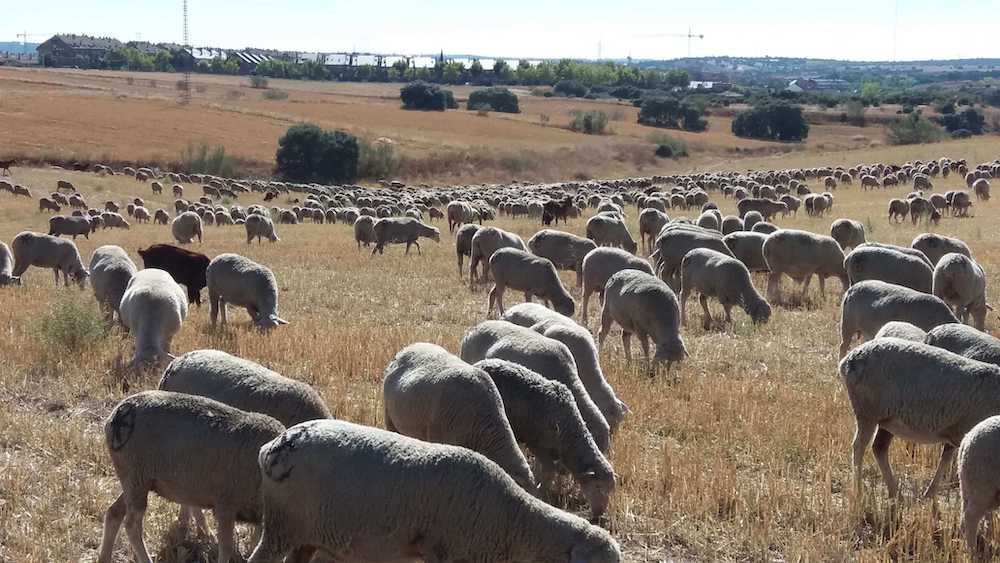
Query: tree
[
  {"x": 421, "y": 95},
  {"x": 969, "y": 119},
  {"x": 476, "y": 69},
  {"x": 913, "y": 129},
  {"x": 307, "y": 153},
  {"x": 495, "y": 99},
  {"x": 570, "y": 88},
  {"x": 777, "y": 121},
  {"x": 671, "y": 113}
]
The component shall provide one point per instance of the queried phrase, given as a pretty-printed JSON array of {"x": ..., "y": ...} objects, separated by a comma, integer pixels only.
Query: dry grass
[{"x": 743, "y": 457}]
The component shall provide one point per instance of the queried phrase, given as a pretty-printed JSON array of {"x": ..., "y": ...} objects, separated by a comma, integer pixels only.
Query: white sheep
[
  {"x": 965, "y": 341},
  {"x": 901, "y": 329},
  {"x": 46, "y": 251},
  {"x": 153, "y": 308},
  {"x": 366, "y": 494},
  {"x": 463, "y": 243},
  {"x": 800, "y": 255},
  {"x": 258, "y": 226},
  {"x": 534, "y": 275},
  {"x": 961, "y": 283},
  {"x": 186, "y": 226},
  {"x": 978, "y": 477},
  {"x": 399, "y": 230},
  {"x": 364, "y": 230},
  {"x": 7, "y": 266},
  {"x": 432, "y": 395},
  {"x": 869, "y": 262},
  {"x": 239, "y": 281},
  {"x": 748, "y": 247},
  {"x": 111, "y": 270},
  {"x": 610, "y": 230},
  {"x": 713, "y": 274},
  {"x": 598, "y": 267},
  {"x": 485, "y": 242},
  {"x": 934, "y": 246},
  {"x": 566, "y": 251},
  {"x": 645, "y": 306},
  {"x": 651, "y": 221},
  {"x": 848, "y": 232}
]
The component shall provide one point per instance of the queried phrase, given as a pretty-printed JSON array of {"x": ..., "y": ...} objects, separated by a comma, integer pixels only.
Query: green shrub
[
  {"x": 71, "y": 324},
  {"x": 913, "y": 129},
  {"x": 668, "y": 146},
  {"x": 272, "y": 94},
  {"x": 424, "y": 96},
  {"x": 307, "y": 153},
  {"x": 570, "y": 89},
  {"x": 778, "y": 121},
  {"x": 377, "y": 160},
  {"x": 258, "y": 82},
  {"x": 203, "y": 159},
  {"x": 970, "y": 120},
  {"x": 672, "y": 113},
  {"x": 496, "y": 99},
  {"x": 594, "y": 122}
]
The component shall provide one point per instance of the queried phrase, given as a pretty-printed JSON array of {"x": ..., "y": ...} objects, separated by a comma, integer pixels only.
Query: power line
[{"x": 186, "y": 92}]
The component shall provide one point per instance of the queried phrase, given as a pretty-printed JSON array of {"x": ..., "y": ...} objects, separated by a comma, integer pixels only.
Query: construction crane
[
  {"x": 24, "y": 37},
  {"x": 689, "y": 35}
]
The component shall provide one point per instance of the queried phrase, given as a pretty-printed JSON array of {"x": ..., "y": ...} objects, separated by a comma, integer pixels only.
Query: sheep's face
[
  {"x": 759, "y": 312},
  {"x": 436, "y": 234},
  {"x": 596, "y": 548},
  {"x": 597, "y": 486},
  {"x": 80, "y": 277},
  {"x": 269, "y": 322},
  {"x": 564, "y": 305},
  {"x": 670, "y": 351}
]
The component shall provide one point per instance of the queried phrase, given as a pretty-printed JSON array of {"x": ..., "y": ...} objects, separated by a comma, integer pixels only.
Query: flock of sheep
[{"x": 448, "y": 480}]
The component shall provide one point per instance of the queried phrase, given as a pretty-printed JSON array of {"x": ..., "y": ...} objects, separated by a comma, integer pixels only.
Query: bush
[
  {"x": 593, "y": 122},
  {"x": 672, "y": 113},
  {"x": 570, "y": 89},
  {"x": 970, "y": 119},
  {"x": 70, "y": 325},
  {"x": 913, "y": 129},
  {"x": 778, "y": 121},
  {"x": 258, "y": 82},
  {"x": 855, "y": 112},
  {"x": 961, "y": 134},
  {"x": 626, "y": 93},
  {"x": 307, "y": 153},
  {"x": 377, "y": 160},
  {"x": 668, "y": 146},
  {"x": 203, "y": 159},
  {"x": 496, "y": 99},
  {"x": 275, "y": 95},
  {"x": 424, "y": 96}
]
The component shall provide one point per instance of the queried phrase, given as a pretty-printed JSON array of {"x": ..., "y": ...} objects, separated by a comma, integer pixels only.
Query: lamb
[
  {"x": 608, "y": 230},
  {"x": 748, "y": 247},
  {"x": 901, "y": 329},
  {"x": 598, "y": 267},
  {"x": 543, "y": 416},
  {"x": 186, "y": 226},
  {"x": 236, "y": 280},
  {"x": 675, "y": 241},
  {"x": 642, "y": 304},
  {"x": 111, "y": 270},
  {"x": 919, "y": 392},
  {"x": 584, "y": 350},
  {"x": 961, "y": 283},
  {"x": 848, "y": 232},
  {"x": 244, "y": 385},
  {"x": 402, "y": 230},
  {"x": 800, "y": 255},
  {"x": 432, "y": 395},
  {"x": 190, "y": 450},
  {"x": 46, "y": 204},
  {"x": 463, "y": 243},
  {"x": 531, "y": 274},
  {"x": 392, "y": 503},
  {"x": 7, "y": 266},
  {"x": 650, "y": 222},
  {"x": 566, "y": 251},
  {"x": 73, "y": 226},
  {"x": 545, "y": 356},
  {"x": 153, "y": 308},
  {"x": 965, "y": 341},
  {"x": 934, "y": 246},
  {"x": 713, "y": 274},
  {"x": 364, "y": 230},
  {"x": 46, "y": 251},
  {"x": 260, "y": 227},
  {"x": 186, "y": 267},
  {"x": 977, "y": 477},
  {"x": 870, "y": 304},
  {"x": 889, "y": 265}
]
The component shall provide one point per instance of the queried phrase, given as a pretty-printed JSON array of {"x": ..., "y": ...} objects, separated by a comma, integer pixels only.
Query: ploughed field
[{"x": 740, "y": 452}]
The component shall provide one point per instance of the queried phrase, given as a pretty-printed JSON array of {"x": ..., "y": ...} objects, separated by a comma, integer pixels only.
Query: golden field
[{"x": 742, "y": 453}]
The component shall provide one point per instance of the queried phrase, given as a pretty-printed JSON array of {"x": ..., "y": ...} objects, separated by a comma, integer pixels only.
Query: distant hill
[{"x": 17, "y": 47}]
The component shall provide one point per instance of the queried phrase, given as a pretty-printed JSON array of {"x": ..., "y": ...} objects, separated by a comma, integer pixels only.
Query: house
[
  {"x": 423, "y": 62},
  {"x": 338, "y": 60},
  {"x": 248, "y": 60},
  {"x": 818, "y": 85},
  {"x": 76, "y": 50},
  {"x": 367, "y": 60},
  {"x": 709, "y": 85},
  {"x": 145, "y": 47},
  {"x": 310, "y": 57}
]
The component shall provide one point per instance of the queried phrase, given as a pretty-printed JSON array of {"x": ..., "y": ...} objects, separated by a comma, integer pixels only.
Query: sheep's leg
[
  {"x": 606, "y": 321},
  {"x": 213, "y": 301},
  {"x": 112, "y": 523},
  {"x": 685, "y": 293},
  {"x": 728, "y": 308},
  {"x": 805, "y": 285},
  {"x": 500, "y": 292},
  {"x": 134, "y": 514},
  {"x": 773, "y": 286},
  {"x": 271, "y": 548},
  {"x": 863, "y": 435},
  {"x": 226, "y": 522},
  {"x": 644, "y": 342},
  {"x": 222, "y": 311},
  {"x": 473, "y": 264},
  {"x": 822, "y": 286},
  {"x": 707, "y": 321},
  {"x": 972, "y": 512},
  {"x": 947, "y": 453},
  {"x": 417, "y": 244},
  {"x": 56, "y": 271},
  {"x": 627, "y": 345},
  {"x": 583, "y": 307},
  {"x": 880, "y": 448}
]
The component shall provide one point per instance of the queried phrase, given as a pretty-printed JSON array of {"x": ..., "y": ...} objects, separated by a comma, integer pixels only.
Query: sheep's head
[
  {"x": 595, "y": 546},
  {"x": 759, "y": 311},
  {"x": 268, "y": 322},
  {"x": 564, "y": 305},
  {"x": 597, "y": 485},
  {"x": 80, "y": 276},
  {"x": 435, "y": 234},
  {"x": 631, "y": 246},
  {"x": 670, "y": 351}
]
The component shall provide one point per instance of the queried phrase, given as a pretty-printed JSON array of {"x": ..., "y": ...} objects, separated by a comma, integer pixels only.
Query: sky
[{"x": 650, "y": 29}]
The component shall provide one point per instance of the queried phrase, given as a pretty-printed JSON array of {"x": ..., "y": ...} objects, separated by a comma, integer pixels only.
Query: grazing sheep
[
  {"x": 646, "y": 306},
  {"x": 485, "y": 242},
  {"x": 981, "y": 187},
  {"x": 46, "y": 251},
  {"x": 239, "y": 281},
  {"x": 46, "y": 204},
  {"x": 887, "y": 264},
  {"x": 545, "y": 356},
  {"x": 543, "y": 415},
  {"x": 581, "y": 344},
  {"x": 934, "y": 246},
  {"x": 766, "y": 207},
  {"x": 709, "y": 220},
  {"x": 141, "y": 215},
  {"x": 531, "y": 274},
  {"x": 186, "y": 226},
  {"x": 460, "y": 213},
  {"x": 153, "y": 308},
  {"x": 748, "y": 247},
  {"x": 898, "y": 209},
  {"x": 73, "y": 226},
  {"x": 399, "y": 230},
  {"x": 463, "y": 243},
  {"x": 364, "y": 230},
  {"x": 675, "y": 241},
  {"x": 161, "y": 217},
  {"x": 965, "y": 341},
  {"x": 598, "y": 267},
  {"x": 112, "y": 220},
  {"x": 651, "y": 221},
  {"x": 432, "y": 395},
  {"x": 751, "y": 219},
  {"x": 566, "y": 251},
  {"x": 111, "y": 270},
  {"x": 800, "y": 255},
  {"x": 713, "y": 274},
  {"x": 186, "y": 267},
  {"x": 977, "y": 477},
  {"x": 919, "y": 392},
  {"x": 961, "y": 283},
  {"x": 7, "y": 266},
  {"x": 901, "y": 329},
  {"x": 730, "y": 224},
  {"x": 399, "y": 499},
  {"x": 244, "y": 385},
  {"x": 848, "y": 232},
  {"x": 609, "y": 230},
  {"x": 20, "y": 190},
  {"x": 260, "y": 227},
  {"x": 190, "y": 450},
  {"x": 870, "y": 304}
]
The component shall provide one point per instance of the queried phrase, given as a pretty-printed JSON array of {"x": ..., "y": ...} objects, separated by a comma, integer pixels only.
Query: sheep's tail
[{"x": 120, "y": 426}]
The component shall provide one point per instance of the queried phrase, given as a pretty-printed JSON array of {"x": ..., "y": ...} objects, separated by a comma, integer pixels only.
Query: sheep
[
  {"x": 7, "y": 266},
  {"x": 646, "y": 306},
  {"x": 650, "y": 222},
  {"x": 584, "y": 350},
  {"x": 977, "y": 477},
  {"x": 161, "y": 217},
  {"x": 236, "y": 280},
  {"x": 566, "y": 251},
  {"x": 748, "y": 247},
  {"x": 848, "y": 232},
  {"x": 901, "y": 329},
  {"x": 713, "y": 274},
  {"x": 190, "y": 450},
  {"x": 153, "y": 307},
  {"x": 531, "y": 274},
  {"x": 870, "y": 304},
  {"x": 432, "y": 395},
  {"x": 485, "y": 242},
  {"x": 46, "y": 204},
  {"x": 73, "y": 226},
  {"x": 599, "y": 265},
  {"x": 111, "y": 270},
  {"x": 916, "y": 391},
  {"x": 608, "y": 230},
  {"x": 731, "y": 224},
  {"x": 260, "y": 227},
  {"x": 965, "y": 341},
  {"x": 800, "y": 255},
  {"x": 981, "y": 187},
  {"x": 764, "y": 228},
  {"x": 675, "y": 241},
  {"x": 366, "y": 494},
  {"x": 245, "y": 385},
  {"x": 112, "y": 220},
  {"x": 543, "y": 415},
  {"x": 364, "y": 230},
  {"x": 709, "y": 220},
  {"x": 961, "y": 283},
  {"x": 186, "y": 267},
  {"x": 883, "y": 263},
  {"x": 46, "y": 251},
  {"x": 545, "y": 356},
  {"x": 463, "y": 243},
  {"x": 400, "y": 230},
  {"x": 22, "y": 191},
  {"x": 186, "y": 226},
  {"x": 934, "y": 246},
  {"x": 141, "y": 215},
  {"x": 766, "y": 207},
  {"x": 459, "y": 213}
]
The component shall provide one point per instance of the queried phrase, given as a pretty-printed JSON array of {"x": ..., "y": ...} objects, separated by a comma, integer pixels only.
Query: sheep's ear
[{"x": 281, "y": 321}]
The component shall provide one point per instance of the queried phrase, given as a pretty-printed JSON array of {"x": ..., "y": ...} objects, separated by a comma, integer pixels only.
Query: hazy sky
[{"x": 844, "y": 29}]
